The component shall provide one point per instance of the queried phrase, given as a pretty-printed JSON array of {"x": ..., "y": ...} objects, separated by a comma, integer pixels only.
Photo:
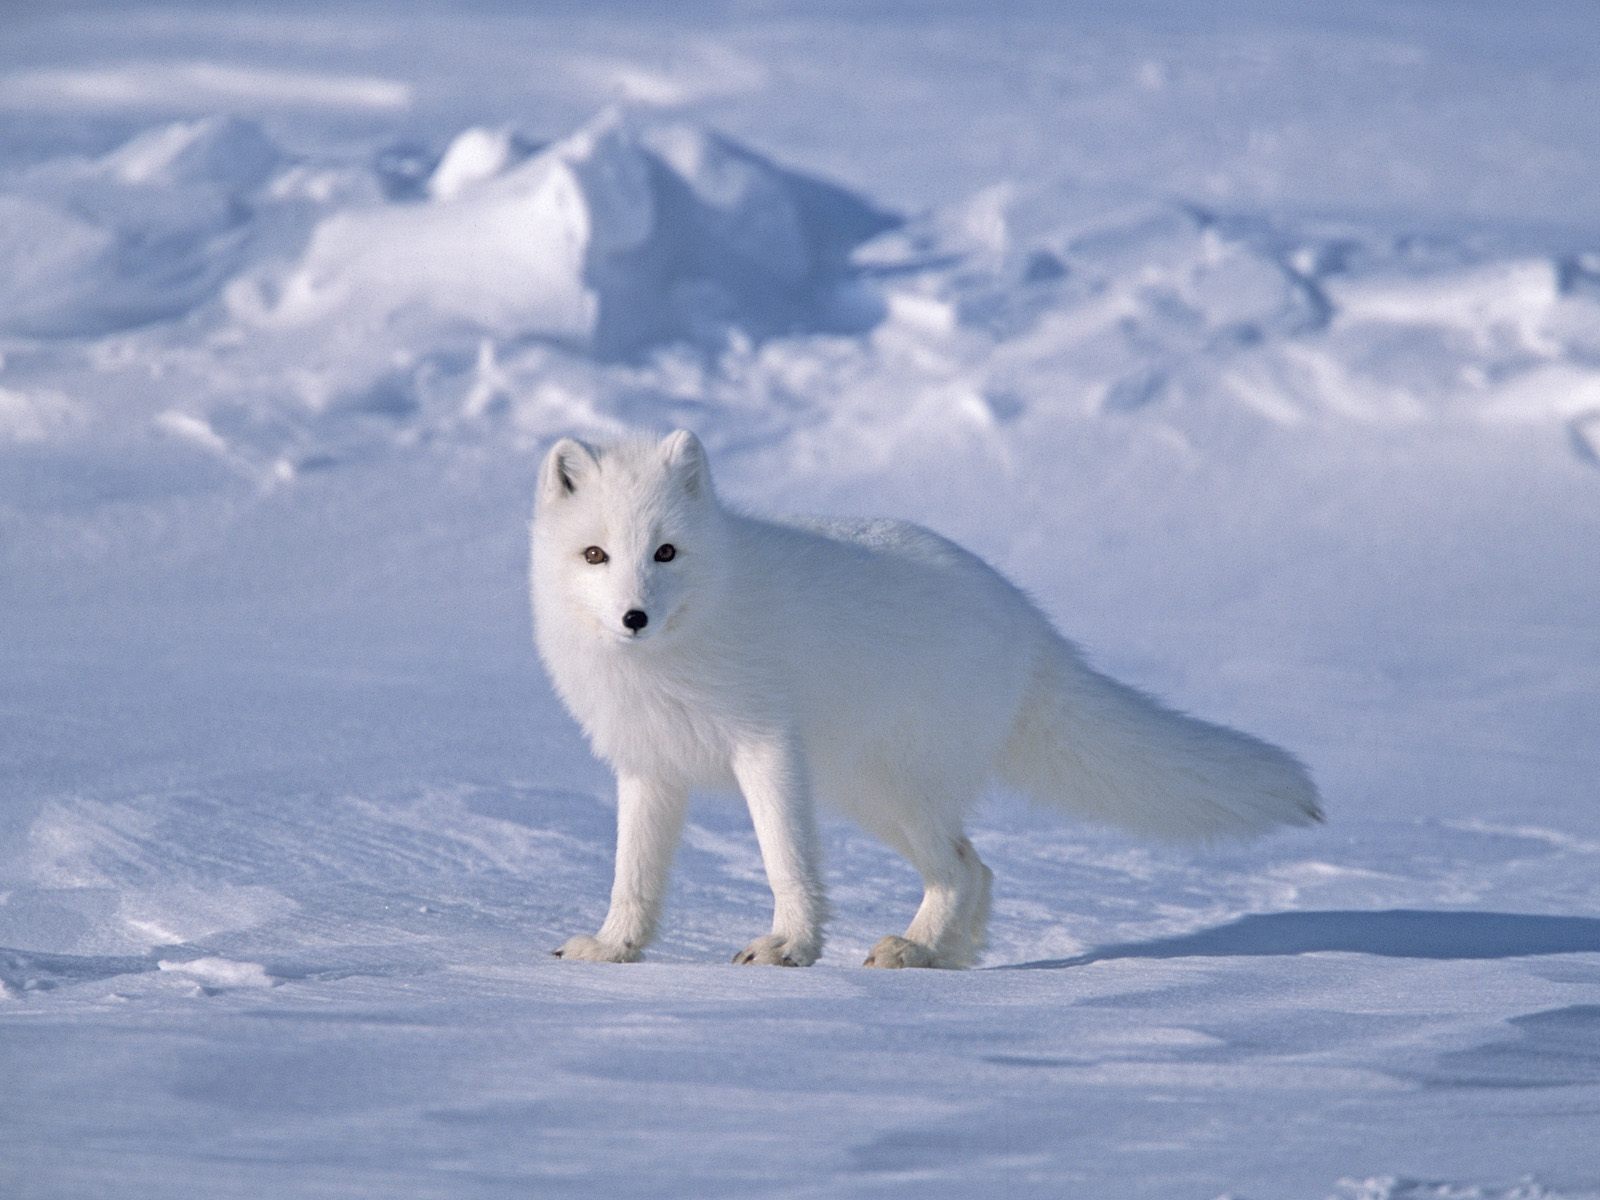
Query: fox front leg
[
  {"x": 773, "y": 778},
  {"x": 649, "y": 823}
]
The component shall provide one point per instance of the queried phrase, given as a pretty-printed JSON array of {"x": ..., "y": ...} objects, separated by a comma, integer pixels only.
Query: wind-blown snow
[{"x": 1264, "y": 351}]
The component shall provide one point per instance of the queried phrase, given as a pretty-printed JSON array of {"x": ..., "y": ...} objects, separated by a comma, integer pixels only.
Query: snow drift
[
  {"x": 622, "y": 234},
  {"x": 145, "y": 233},
  {"x": 628, "y": 231},
  {"x": 646, "y": 268}
]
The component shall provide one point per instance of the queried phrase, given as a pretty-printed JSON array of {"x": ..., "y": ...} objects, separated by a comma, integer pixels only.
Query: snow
[
  {"x": 1262, "y": 347},
  {"x": 619, "y": 235},
  {"x": 220, "y": 972}
]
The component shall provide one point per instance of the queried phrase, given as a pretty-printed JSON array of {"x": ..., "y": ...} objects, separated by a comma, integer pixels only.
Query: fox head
[{"x": 625, "y": 539}]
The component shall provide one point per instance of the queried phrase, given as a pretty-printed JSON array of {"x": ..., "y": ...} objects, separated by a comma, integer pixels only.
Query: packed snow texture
[{"x": 1263, "y": 350}]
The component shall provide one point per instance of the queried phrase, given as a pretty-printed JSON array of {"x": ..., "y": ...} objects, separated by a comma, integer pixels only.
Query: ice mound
[{"x": 623, "y": 234}]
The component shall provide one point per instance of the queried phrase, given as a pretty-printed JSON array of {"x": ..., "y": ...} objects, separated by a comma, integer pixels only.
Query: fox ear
[
  {"x": 686, "y": 459},
  {"x": 565, "y": 468}
]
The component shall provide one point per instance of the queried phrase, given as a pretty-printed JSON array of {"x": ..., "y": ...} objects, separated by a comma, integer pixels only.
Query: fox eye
[
  {"x": 594, "y": 556},
  {"x": 666, "y": 552}
]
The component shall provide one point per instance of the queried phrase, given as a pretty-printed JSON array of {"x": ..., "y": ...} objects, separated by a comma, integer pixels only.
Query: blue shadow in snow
[{"x": 1396, "y": 933}]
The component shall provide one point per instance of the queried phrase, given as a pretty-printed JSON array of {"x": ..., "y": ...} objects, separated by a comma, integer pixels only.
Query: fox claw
[
  {"x": 774, "y": 951},
  {"x": 588, "y": 949},
  {"x": 895, "y": 952}
]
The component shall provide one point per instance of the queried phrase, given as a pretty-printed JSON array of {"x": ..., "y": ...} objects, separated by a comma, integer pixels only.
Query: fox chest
[{"x": 642, "y": 723}]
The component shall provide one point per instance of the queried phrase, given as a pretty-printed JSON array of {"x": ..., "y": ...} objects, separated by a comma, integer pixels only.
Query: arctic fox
[{"x": 870, "y": 665}]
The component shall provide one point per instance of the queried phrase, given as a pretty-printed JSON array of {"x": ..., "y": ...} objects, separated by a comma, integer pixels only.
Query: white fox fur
[{"x": 869, "y": 665}]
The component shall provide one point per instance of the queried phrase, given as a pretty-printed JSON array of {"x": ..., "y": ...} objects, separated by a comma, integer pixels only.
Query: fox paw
[
  {"x": 584, "y": 948},
  {"x": 775, "y": 951},
  {"x": 892, "y": 952}
]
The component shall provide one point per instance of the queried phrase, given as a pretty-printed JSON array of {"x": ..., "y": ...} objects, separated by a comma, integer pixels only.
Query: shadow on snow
[{"x": 1397, "y": 933}]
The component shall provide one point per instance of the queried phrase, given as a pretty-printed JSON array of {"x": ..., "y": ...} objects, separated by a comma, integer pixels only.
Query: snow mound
[
  {"x": 473, "y": 156},
  {"x": 1157, "y": 306},
  {"x": 146, "y": 233},
  {"x": 647, "y": 270},
  {"x": 50, "y": 262},
  {"x": 228, "y": 151},
  {"x": 623, "y": 234},
  {"x": 221, "y": 972}
]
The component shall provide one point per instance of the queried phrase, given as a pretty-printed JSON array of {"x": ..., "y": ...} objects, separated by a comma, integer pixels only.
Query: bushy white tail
[{"x": 1110, "y": 753}]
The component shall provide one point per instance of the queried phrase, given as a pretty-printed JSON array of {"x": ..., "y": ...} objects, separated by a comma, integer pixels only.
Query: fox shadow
[{"x": 1394, "y": 933}]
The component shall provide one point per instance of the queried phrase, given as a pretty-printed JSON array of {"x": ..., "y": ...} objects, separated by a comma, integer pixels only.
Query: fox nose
[{"x": 635, "y": 619}]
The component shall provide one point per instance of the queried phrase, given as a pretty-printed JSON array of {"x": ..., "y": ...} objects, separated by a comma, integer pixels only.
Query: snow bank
[
  {"x": 1134, "y": 304},
  {"x": 143, "y": 234},
  {"x": 218, "y": 151},
  {"x": 475, "y": 155},
  {"x": 622, "y": 234},
  {"x": 214, "y": 972},
  {"x": 506, "y": 289}
]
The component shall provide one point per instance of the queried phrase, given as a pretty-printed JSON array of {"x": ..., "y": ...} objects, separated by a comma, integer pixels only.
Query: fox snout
[{"x": 635, "y": 619}]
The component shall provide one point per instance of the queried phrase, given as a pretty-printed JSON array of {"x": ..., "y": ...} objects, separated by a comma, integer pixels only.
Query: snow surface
[{"x": 1261, "y": 345}]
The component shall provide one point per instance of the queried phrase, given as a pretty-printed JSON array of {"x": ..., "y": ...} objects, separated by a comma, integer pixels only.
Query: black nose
[{"x": 635, "y": 619}]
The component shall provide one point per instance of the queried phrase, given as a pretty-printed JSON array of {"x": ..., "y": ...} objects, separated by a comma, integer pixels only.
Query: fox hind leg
[
  {"x": 982, "y": 894},
  {"x": 948, "y": 929}
]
